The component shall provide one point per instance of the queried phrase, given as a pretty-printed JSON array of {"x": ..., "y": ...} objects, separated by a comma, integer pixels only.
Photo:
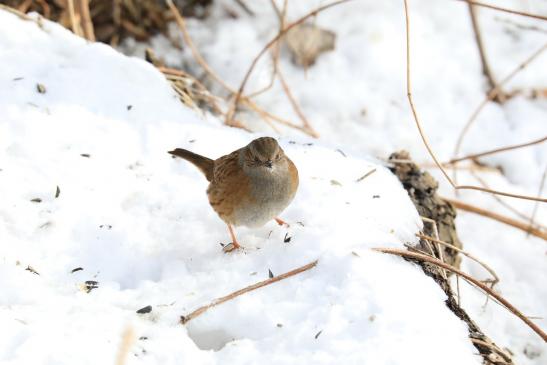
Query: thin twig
[
  {"x": 201, "y": 310},
  {"x": 306, "y": 124},
  {"x": 493, "y": 348},
  {"x": 438, "y": 246},
  {"x": 244, "y": 100},
  {"x": 536, "y": 205},
  {"x": 195, "y": 53},
  {"x": 498, "y": 217},
  {"x": 485, "y": 66},
  {"x": 495, "y": 277},
  {"x": 87, "y": 23},
  {"x": 469, "y": 278},
  {"x": 16, "y": 12},
  {"x": 276, "y": 51},
  {"x": 491, "y": 95},
  {"x": 72, "y": 16},
  {"x": 366, "y": 175},
  {"x": 505, "y": 10},
  {"x": 504, "y": 204},
  {"x": 274, "y": 40},
  {"x": 497, "y": 150},
  {"x": 424, "y": 139}
]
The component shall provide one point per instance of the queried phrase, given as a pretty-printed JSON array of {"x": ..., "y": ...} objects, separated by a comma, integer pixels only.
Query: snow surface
[
  {"x": 355, "y": 97},
  {"x": 138, "y": 222}
]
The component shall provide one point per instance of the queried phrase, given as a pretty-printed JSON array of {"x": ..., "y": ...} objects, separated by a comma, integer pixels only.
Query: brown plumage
[{"x": 249, "y": 186}]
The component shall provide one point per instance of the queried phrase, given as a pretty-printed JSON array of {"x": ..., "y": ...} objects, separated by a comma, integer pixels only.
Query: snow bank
[{"x": 138, "y": 223}]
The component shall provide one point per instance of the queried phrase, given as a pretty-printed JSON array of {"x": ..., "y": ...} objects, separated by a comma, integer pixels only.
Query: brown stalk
[
  {"x": 295, "y": 106},
  {"x": 498, "y": 217},
  {"x": 72, "y": 15},
  {"x": 536, "y": 206},
  {"x": 245, "y": 100},
  {"x": 274, "y": 40},
  {"x": 485, "y": 66},
  {"x": 195, "y": 53},
  {"x": 276, "y": 51},
  {"x": 24, "y": 6},
  {"x": 505, "y": 10},
  {"x": 497, "y": 150},
  {"x": 491, "y": 95},
  {"x": 424, "y": 139},
  {"x": 485, "y": 266},
  {"x": 16, "y": 12},
  {"x": 214, "y": 303},
  {"x": 87, "y": 24},
  {"x": 508, "y": 206},
  {"x": 469, "y": 278}
]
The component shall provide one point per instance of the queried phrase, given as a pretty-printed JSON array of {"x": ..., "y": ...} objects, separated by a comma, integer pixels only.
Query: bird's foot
[
  {"x": 233, "y": 246},
  {"x": 281, "y": 222}
]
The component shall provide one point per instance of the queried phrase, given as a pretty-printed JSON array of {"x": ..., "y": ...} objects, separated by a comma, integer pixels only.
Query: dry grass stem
[
  {"x": 18, "y": 12},
  {"x": 435, "y": 240},
  {"x": 498, "y": 217},
  {"x": 268, "y": 117},
  {"x": 72, "y": 15},
  {"x": 495, "y": 349},
  {"x": 485, "y": 65},
  {"x": 274, "y": 40},
  {"x": 128, "y": 337},
  {"x": 491, "y": 95},
  {"x": 305, "y": 123},
  {"x": 495, "y": 279},
  {"x": 195, "y": 53},
  {"x": 497, "y": 150},
  {"x": 87, "y": 24},
  {"x": 505, "y": 10},
  {"x": 424, "y": 139},
  {"x": 536, "y": 205},
  {"x": 508, "y": 206},
  {"x": 214, "y": 303},
  {"x": 469, "y": 278}
]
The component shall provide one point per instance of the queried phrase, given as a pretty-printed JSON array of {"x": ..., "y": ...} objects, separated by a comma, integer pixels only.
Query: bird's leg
[
  {"x": 234, "y": 245},
  {"x": 281, "y": 222}
]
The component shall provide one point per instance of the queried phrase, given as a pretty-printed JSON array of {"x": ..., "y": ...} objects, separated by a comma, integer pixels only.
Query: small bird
[{"x": 249, "y": 186}]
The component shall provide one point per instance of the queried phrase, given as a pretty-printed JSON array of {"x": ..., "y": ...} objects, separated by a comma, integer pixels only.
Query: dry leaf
[{"x": 307, "y": 41}]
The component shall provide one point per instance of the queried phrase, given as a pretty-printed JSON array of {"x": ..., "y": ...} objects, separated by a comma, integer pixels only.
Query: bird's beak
[{"x": 268, "y": 164}]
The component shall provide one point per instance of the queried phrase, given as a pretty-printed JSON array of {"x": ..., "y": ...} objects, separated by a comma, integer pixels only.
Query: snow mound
[{"x": 87, "y": 183}]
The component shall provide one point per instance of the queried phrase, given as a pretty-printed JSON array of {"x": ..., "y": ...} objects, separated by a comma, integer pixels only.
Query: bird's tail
[{"x": 203, "y": 163}]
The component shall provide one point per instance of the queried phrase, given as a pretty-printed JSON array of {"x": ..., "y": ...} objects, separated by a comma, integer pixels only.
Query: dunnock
[{"x": 249, "y": 186}]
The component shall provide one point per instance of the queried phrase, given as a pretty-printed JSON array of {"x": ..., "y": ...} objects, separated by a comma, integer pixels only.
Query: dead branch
[
  {"x": 214, "y": 303},
  {"x": 498, "y": 217},
  {"x": 498, "y": 8},
  {"x": 482, "y": 52},
  {"x": 469, "y": 278},
  {"x": 497, "y": 150},
  {"x": 424, "y": 139},
  {"x": 238, "y": 95}
]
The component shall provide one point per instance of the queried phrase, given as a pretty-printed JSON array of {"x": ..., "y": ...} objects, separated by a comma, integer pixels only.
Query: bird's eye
[{"x": 256, "y": 160}]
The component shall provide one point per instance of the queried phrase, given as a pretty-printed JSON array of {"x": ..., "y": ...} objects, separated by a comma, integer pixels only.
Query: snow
[{"x": 138, "y": 222}]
